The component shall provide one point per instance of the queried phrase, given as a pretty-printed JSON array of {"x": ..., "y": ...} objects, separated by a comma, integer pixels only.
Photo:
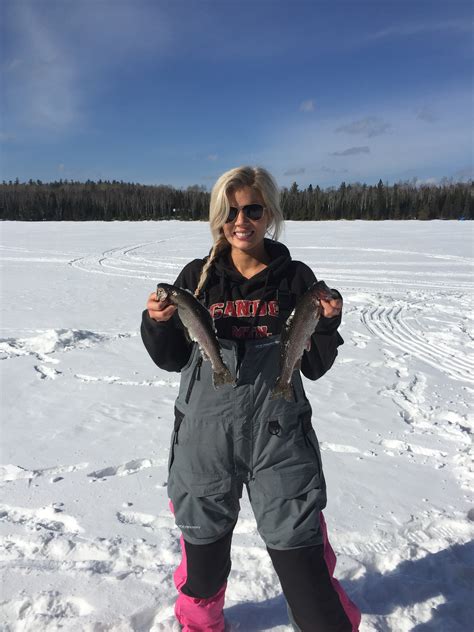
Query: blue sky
[{"x": 176, "y": 92}]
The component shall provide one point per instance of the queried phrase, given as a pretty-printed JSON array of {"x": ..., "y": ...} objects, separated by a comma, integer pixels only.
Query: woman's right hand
[{"x": 159, "y": 310}]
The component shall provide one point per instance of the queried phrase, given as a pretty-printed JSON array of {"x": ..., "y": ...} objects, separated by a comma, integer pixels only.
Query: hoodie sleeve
[
  {"x": 325, "y": 340},
  {"x": 166, "y": 342}
]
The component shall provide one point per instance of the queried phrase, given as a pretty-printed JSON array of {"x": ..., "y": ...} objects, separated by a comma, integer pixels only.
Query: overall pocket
[{"x": 309, "y": 437}]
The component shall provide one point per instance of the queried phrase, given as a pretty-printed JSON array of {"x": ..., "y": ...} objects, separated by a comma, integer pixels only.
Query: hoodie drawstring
[{"x": 256, "y": 316}]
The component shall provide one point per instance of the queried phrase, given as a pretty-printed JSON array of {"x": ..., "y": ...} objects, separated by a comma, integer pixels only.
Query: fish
[
  {"x": 298, "y": 328},
  {"x": 200, "y": 328}
]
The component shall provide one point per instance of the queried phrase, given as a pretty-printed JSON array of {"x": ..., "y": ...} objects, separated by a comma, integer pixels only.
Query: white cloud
[
  {"x": 212, "y": 157},
  {"x": 333, "y": 171},
  {"x": 369, "y": 126},
  {"x": 405, "y": 30},
  {"x": 295, "y": 172},
  {"x": 352, "y": 151},
  {"x": 412, "y": 149},
  {"x": 464, "y": 175},
  {"x": 426, "y": 114},
  {"x": 307, "y": 106},
  {"x": 5, "y": 137},
  {"x": 40, "y": 79},
  {"x": 62, "y": 54},
  {"x": 423, "y": 181}
]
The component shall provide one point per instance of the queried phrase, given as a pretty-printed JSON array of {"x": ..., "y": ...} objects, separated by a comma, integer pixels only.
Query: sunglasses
[{"x": 252, "y": 211}]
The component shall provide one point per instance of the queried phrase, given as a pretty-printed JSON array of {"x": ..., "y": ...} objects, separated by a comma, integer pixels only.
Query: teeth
[{"x": 243, "y": 234}]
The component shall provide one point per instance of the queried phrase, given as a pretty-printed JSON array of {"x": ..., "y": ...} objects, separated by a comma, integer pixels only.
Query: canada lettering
[{"x": 243, "y": 308}]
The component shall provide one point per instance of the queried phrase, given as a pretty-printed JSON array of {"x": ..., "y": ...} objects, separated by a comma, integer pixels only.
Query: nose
[{"x": 241, "y": 216}]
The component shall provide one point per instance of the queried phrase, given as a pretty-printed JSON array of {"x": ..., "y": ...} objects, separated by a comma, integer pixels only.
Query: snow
[{"x": 87, "y": 540}]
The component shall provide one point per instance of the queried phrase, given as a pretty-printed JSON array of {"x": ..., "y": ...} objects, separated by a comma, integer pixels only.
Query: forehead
[{"x": 244, "y": 195}]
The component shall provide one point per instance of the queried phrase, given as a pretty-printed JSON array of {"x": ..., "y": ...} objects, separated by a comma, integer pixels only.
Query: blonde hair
[{"x": 257, "y": 178}]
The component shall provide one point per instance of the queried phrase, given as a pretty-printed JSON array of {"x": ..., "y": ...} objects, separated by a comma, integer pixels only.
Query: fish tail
[
  {"x": 282, "y": 390},
  {"x": 222, "y": 378}
]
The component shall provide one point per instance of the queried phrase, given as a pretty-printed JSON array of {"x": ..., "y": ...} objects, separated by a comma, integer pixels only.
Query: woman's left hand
[{"x": 331, "y": 308}]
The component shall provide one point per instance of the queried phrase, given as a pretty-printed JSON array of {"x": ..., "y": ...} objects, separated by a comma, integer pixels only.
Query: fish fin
[
  {"x": 282, "y": 390},
  {"x": 289, "y": 319},
  {"x": 222, "y": 378}
]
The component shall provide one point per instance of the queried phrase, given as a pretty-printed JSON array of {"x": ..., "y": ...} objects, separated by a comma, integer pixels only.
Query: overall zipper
[{"x": 196, "y": 375}]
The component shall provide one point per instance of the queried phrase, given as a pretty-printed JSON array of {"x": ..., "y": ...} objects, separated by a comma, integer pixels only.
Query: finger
[
  {"x": 161, "y": 305},
  {"x": 329, "y": 311},
  {"x": 168, "y": 311},
  {"x": 162, "y": 314}
]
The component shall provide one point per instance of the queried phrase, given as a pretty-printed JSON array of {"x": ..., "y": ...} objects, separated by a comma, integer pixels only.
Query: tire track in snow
[
  {"x": 388, "y": 324},
  {"x": 121, "y": 262}
]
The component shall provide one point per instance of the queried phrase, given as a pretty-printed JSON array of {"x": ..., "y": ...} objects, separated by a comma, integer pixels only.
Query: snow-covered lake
[{"x": 87, "y": 540}]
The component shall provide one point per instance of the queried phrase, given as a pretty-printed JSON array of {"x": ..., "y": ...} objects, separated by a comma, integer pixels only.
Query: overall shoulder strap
[{"x": 286, "y": 301}]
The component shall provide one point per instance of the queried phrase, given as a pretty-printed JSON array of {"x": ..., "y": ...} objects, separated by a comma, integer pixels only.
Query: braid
[{"x": 219, "y": 247}]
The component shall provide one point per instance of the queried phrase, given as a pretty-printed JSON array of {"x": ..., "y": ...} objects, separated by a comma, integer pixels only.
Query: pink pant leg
[
  {"x": 194, "y": 614},
  {"x": 351, "y": 610}
]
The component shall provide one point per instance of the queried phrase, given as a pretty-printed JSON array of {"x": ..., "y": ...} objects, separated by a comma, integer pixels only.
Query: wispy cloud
[
  {"x": 295, "y": 172},
  {"x": 352, "y": 151},
  {"x": 5, "y": 137},
  {"x": 412, "y": 149},
  {"x": 464, "y": 175},
  {"x": 370, "y": 126},
  {"x": 212, "y": 157},
  {"x": 59, "y": 54},
  {"x": 333, "y": 171},
  {"x": 426, "y": 114},
  {"x": 307, "y": 106},
  {"x": 40, "y": 77},
  {"x": 406, "y": 30},
  {"x": 429, "y": 181}
]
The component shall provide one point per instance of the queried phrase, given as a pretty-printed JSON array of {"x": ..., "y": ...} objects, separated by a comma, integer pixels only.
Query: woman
[{"x": 229, "y": 437}]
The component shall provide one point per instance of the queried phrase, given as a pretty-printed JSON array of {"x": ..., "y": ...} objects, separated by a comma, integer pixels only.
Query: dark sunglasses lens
[
  {"x": 232, "y": 214},
  {"x": 253, "y": 211}
]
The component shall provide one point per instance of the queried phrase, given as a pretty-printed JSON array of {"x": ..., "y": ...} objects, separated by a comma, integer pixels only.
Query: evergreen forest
[{"x": 114, "y": 200}]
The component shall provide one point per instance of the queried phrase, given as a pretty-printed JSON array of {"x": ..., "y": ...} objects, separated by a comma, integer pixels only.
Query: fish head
[
  {"x": 321, "y": 291},
  {"x": 317, "y": 292},
  {"x": 164, "y": 291}
]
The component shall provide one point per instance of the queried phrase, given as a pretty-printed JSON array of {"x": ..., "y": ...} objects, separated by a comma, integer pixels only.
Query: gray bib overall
[{"x": 232, "y": 436}]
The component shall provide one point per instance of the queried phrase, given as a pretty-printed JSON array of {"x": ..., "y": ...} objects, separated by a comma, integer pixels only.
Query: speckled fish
[
  {"x": 199, "y": 326},
  {"x": 297, "y": 330}
]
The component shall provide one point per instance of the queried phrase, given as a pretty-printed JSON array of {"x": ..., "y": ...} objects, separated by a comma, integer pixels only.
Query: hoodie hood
[
  {"x": 248, "y": 301},
  {"x": 280, "y": 260}
]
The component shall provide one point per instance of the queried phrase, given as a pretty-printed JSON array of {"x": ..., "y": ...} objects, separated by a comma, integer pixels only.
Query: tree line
[{"x": 114, "y": 200}]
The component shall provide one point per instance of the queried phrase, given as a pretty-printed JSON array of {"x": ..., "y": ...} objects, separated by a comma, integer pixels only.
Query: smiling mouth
[{"x": 243, "y": 234}]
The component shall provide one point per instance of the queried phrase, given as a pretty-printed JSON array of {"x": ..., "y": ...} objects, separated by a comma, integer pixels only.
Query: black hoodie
[{"x": 245, "y": 308}]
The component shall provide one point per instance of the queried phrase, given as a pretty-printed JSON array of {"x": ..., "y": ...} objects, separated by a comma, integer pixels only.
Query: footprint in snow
[
  {"x": 344, "y": 449},
  {"x": 48, "y": 518},
  {"x": 131, "y": 467},
  {"x": 47, "y": 372},
  {"x": 10, "y": 472},
  {"x": 146, "y": 520}
]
